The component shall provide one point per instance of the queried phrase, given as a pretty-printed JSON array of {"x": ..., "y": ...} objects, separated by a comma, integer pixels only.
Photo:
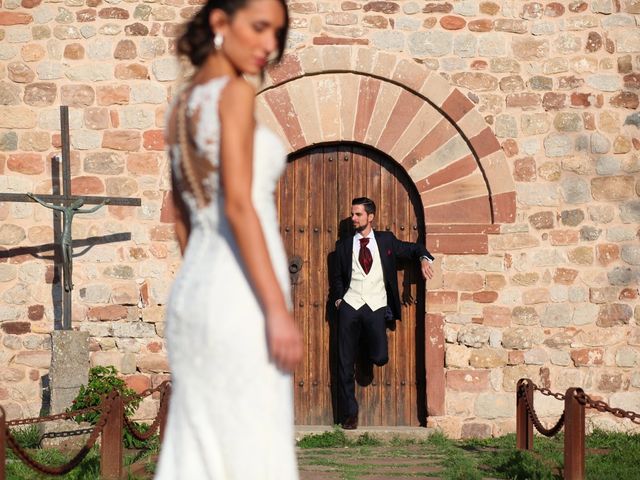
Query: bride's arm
[{"x": 236, "y": 156}]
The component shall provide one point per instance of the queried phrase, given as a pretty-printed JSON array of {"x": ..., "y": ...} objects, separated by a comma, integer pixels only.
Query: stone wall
[{"x": 551, "y": 294}]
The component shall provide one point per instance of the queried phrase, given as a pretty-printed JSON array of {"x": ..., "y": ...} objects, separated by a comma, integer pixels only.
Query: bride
[{"x": 231, "y": 336}]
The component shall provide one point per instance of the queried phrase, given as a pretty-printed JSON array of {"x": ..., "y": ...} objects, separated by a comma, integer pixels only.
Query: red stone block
[
  {"x": 504, "y": 207},
  {"x": 167, "y": 212},
  {"x": 587, "y": 357},
  {"x": 444, "y": 7},
  {"x": 485, "y": 297},
  {"x": 458, "y": 244},
  {"x": 632, "y": 80},
  {"x": 553, "y": 101},
  {"x": 438, "y": 136},
  {"x": 107, "y": 313},
  {"x": 139, "y": 383},
  {"x": 554, "y": 9},
  {"x": 87, "y": 185},
  {"x": 403, "y": 112},
  {"x": 482, "y": 25},
  {"x": 452, "y": 22},
  {"x": 125, "y": 140},
  {"x": 326, "y": 40},
  {"x": 457, "y": 105},
  {"x": 284, "y": 111},
  {"x": 564, "y": 237},
  {"x": 628, "y": 294},
  {"x": 153, "y": 140},
  {"x": 14, "y": 18},
  {"x": 607, "y": 253},
  {"x": 367, "y": 97},
  {"x": 524, "y": 170},
  {"x": 381, "y": 7},
  {"x": 442, "y": 298},
  {"x": 154, "y": 347},
  {"x": 523, "y": 100},
  {"x": 26, "y": 163},
  {"x": 496, "y": 316},
  {"x": 114, "y": 13},
  {"x": 625, "y": 100},
  {"x": 516, "y": 357},
  {"x": 564, "y": 276},
  {"x": 510, "y": 147},
  {"x": 35, "y": 312},
  {"x": 485, "y": 143},
  {"x": 15, "y": 328},
  {"x": 458, "y": 169},
  {"x": 288, "y": 68},
  {"x": 468, "y": 380}
]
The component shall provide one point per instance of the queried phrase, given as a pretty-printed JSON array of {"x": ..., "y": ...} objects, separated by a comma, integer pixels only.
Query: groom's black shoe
[{"x": 350, "y": 423}]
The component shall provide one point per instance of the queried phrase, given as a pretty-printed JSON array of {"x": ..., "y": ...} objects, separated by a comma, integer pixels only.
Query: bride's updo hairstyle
[{"x": 196, "y": 43}]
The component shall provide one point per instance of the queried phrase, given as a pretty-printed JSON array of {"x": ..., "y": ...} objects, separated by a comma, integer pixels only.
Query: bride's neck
[{"x": 216, "y": 65}]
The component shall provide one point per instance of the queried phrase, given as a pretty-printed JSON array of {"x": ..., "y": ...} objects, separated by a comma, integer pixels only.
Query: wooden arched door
[{"x": 314, "y": 200}]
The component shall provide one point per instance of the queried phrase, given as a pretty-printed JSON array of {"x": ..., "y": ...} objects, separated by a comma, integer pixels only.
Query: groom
[{"x": 365, "y": 293}]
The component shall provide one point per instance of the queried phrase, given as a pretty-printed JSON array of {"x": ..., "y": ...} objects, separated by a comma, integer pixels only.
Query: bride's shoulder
[{"x": 237, "y": 91}]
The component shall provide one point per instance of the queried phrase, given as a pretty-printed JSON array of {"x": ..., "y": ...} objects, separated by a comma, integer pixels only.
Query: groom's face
[{"x": 360, "y": 218}]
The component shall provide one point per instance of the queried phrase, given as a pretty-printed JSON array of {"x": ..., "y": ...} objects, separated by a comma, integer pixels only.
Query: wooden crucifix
[{"x": 69, "y": 205}]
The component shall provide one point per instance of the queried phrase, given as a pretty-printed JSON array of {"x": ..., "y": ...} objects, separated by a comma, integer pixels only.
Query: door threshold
[{"x": 382, "y": 433}]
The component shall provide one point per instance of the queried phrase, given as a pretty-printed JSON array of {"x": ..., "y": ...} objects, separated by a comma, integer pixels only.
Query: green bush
[{"x": 102, "y": 381}]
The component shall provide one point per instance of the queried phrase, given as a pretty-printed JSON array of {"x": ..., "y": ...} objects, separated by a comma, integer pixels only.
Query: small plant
[
  {"x": 334, "y": 438},
  {"x": 27, "y": 437},
  {"x": 102, "y": 381}
]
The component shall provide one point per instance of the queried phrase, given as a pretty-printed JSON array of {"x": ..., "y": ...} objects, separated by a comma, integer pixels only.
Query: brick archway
[{"x": 340, "y": 93}]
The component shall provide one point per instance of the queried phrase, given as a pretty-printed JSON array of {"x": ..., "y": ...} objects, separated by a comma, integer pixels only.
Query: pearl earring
[{"x": 218, "y": 40}]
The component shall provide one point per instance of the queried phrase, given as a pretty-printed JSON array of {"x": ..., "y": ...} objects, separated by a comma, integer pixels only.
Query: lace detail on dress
[{"x": 194, "y": 136}]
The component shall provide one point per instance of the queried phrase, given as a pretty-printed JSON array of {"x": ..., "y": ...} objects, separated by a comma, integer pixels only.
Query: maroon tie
[{"x": 365, "y": 257}]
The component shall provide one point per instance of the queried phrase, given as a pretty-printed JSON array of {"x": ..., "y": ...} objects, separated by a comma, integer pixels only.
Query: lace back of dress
[{"x": 195, "y": 168}]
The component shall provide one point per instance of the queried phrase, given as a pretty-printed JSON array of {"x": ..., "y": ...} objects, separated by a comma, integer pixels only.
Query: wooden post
[
  {"x": 524, "y": 425},
  {"x": 573, "y": 436},
  {"x": 166, "y": 398},
  {"x": 111, "y": 449},
  {"x": 3, "y": 443}
]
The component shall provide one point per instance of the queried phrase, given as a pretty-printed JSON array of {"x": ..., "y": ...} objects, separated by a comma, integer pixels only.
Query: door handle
[{"x": 295, "y": 265}]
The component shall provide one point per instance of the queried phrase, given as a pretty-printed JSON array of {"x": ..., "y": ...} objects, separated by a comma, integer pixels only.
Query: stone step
[{"x": 384, "y": 434}]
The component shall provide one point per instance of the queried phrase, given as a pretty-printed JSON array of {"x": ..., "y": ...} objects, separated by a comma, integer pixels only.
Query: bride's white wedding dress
[{"x": 231, "y": 410}]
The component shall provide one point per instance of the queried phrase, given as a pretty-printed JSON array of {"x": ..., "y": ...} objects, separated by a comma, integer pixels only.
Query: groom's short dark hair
[{"x": 369, "y": 205}]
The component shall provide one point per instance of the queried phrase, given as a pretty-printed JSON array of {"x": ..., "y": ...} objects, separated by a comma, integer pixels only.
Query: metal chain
[
  {"x": 549, "y": 393},
  {"x": 547, "y": 432},
  {"x": 162, "y": 411},
  {"x": 145, "y": 393},
  {"x": 604, "y": 407},
  {"x": 75, "y": 461},
  {"x": 59, "y": 416}
]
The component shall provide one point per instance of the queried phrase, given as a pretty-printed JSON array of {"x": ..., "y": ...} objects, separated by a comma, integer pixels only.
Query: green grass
[
  {"x": 88, "y": 469},
  {"x": 336, "y": 439},
  {"x": 609, "y": 456}
]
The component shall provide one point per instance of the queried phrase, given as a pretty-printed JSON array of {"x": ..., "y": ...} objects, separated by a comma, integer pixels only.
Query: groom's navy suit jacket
[{"x": 391, "y": 250}]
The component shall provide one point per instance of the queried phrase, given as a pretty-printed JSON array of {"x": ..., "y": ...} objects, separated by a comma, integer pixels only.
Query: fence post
[
  {"x": 164, "y": 410},
  {"x": 111, "y": 448},
  {"x": 3, "y": 443},
  {"x": 573, "y": 436},
  {"x": 524, "y": 425}
]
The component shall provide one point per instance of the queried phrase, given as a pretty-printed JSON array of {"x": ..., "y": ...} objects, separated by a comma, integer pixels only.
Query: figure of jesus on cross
[{"x": 66, "y": 242}]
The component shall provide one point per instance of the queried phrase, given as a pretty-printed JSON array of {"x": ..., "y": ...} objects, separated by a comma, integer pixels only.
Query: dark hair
[
  {"x": 197, "y": 40},
  {"x": 369, "y": 205}
]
